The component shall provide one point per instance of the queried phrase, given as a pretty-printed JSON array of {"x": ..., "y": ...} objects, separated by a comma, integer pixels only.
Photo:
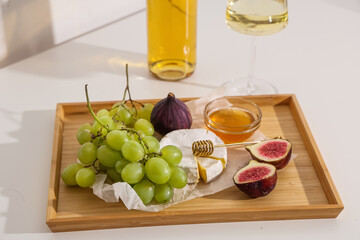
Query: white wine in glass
[{"x": 256, "y": 18}]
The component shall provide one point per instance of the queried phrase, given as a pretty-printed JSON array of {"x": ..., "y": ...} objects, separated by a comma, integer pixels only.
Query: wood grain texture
[{"x": 304, "y": 188}]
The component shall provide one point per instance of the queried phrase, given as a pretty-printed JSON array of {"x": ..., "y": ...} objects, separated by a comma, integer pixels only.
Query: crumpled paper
[{"x": 237, "y": 158}]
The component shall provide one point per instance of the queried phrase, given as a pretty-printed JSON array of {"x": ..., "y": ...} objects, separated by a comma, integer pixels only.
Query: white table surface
[{"x": 316, "y": 57}]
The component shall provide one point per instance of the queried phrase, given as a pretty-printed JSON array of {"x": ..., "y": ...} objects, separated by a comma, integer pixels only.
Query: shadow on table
[
  {"x": 24, "y": 179},
  {"x": 73, "y": 60},
  {"x": 77, "y": 60}
]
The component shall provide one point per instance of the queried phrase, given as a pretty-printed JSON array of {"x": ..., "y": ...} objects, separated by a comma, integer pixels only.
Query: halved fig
[
  {"x": 274, "y": 151},
  {"x": 256, "y": 179}
]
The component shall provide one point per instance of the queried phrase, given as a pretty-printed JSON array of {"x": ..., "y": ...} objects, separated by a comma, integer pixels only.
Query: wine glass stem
[{"x": 250, "y": 84}]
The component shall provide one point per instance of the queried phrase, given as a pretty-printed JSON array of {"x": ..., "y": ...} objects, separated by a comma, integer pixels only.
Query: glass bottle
[{"x": 171, "y": 28}]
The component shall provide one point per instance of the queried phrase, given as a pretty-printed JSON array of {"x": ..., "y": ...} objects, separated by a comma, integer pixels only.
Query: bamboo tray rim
[{"x": 330, "y": 210}]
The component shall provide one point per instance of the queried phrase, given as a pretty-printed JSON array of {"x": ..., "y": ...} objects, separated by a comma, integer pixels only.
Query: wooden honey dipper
[{"x": 205, "y": 148}]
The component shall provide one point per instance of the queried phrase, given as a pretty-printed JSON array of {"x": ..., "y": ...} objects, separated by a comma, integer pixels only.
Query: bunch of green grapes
[{"x": 121, "y": 144}]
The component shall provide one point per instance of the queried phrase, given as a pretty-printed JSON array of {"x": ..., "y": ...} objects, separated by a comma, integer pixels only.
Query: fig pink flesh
[
  {"x": 273, "y": 149},
  {"x": 253, "y": 174}
]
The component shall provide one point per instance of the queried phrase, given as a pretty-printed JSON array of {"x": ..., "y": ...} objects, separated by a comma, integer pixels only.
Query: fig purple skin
[
  {"x": 273, "y": 151},
  {"x": 170, "y": 114},
  {"x": 256, "y": 179}
]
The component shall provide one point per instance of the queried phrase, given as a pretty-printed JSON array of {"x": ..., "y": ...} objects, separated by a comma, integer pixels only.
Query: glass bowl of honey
[{"x": 233, "y": 119}]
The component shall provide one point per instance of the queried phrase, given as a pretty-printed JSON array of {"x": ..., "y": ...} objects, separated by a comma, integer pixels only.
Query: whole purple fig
[{"x": 170, "y": 114}]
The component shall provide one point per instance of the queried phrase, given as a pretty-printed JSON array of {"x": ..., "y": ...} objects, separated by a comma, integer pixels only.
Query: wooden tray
[{"x": 304, "y": 189}]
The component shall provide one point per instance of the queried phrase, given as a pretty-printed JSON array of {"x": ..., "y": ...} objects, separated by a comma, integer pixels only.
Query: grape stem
[
  {"x": 123, "y": 104},
  {"x": 91, "y": 111},
  {"x": 127, "y": 90},
  {"x": 135, "y": 102},
  {"x": 93, "y": 165},
  {"x": 153, "y": 154}
]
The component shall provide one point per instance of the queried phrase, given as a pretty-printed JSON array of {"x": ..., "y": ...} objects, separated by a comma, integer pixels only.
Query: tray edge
[{"x": 332, "y": 210}]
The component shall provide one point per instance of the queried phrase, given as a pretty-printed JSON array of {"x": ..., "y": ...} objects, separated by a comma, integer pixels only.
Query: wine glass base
[{"x": 241, "y": 86}]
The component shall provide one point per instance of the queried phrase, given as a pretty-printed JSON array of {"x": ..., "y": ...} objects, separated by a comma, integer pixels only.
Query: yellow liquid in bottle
[{"x": 171, "y": 38}]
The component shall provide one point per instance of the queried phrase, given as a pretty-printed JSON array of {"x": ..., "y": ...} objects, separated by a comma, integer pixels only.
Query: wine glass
[{"x": 255, "y": 18}]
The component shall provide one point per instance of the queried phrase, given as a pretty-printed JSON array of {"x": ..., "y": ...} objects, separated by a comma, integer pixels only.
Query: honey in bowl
[{"x": 233, "y": 119}]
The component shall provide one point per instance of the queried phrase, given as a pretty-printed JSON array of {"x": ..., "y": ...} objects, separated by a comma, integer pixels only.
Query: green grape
[
  {"x": 102, "y": 167},
  {"x": 87, "y": 153},
  {"x": 85, "y": 126},
  {"x": 96, "y": 127},
  {"x": 114, "y": 175},
  {"x": 69, "y": 173},
  {"x": 171, "y": 154},
  {"x": 135, "y": 136},
  {"x": 133, "y": 173},
  {"x": 96, "y": 141},
  {"x": 117, "y": 104},
  {"x": 101, "y": 131},
  {"x": 124, "y": 116},
  {"x": 108, "y": 156},
  {"x": 99, "y": 141},
  {"x": 116, "y": 139},
  {"x": 85, "y": 177},
  {"x": 96, "y": 165},
  {"x": 131, "y": 110},
  {"x": 105, "y": 120},
  {"x": 113, "y": 111},
  {"x": 102, "y": 113},
  {"x": 120, "y": 164},
  {"x": 141, "y": 114},
  {"x": 152, "y": 143},
  {"x": 145, "y": 126},
  {"x": 157, "y": 170},
  {"x": 133, "y": 151},
  {"x": 145, "y": 190},
  {"x": 145, "y": 111},
  {"x": 108, "y": 121},
  {"x": 81, "y": 135},
  {"x": 148, "y": 107},
  {"x": 84, "y": 136},
  {"x": 119, "y": 125},
  {"x": 163, "y": 193},
  {"x": 178, "y": 178}
]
